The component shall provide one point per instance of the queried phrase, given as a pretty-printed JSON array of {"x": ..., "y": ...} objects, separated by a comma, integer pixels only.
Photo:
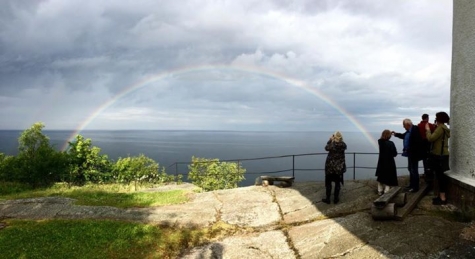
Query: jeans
[
  {"x": 413, "y": 167},
  {"x": 329, "y": 178},
  {"x": 440, "y": 168}
]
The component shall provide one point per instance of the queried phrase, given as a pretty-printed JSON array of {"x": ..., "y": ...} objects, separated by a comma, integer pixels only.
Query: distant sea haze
[{"x": 168, "y": 147}]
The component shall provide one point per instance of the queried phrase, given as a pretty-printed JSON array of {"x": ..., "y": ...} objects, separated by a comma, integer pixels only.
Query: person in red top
[{"x": 428, "y": 175}]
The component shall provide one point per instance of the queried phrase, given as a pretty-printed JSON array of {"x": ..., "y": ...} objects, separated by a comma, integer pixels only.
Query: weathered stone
[
  {"x": 302, "y": 202},
  {"x": 271, "y": 244},
  {"x": 416, "y": 237},
  {"x": 35, "y": 208},
  {"x": 255, "y": 208}
]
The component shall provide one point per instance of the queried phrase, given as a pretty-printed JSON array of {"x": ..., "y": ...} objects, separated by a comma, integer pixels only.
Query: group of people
[{"x": 426, "y": 141}]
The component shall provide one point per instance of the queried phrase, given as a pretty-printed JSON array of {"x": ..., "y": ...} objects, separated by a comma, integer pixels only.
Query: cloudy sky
[{"x": 223, "y": 64}]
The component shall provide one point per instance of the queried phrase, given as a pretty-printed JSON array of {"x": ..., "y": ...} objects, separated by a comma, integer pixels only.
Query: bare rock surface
[
  {"x": 285, "y": 222},
  {"x": 249, "y": 206},
  {"x": 415, "y": 237},
  {"x": 303, "y": 203},
  {"x": 270, "y": 244}
]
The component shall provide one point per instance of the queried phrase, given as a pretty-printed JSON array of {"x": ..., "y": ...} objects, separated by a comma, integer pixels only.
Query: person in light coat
[{"x": 439, "y": 154}]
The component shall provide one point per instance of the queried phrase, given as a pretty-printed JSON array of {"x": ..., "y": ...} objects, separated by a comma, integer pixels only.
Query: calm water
[{"x": 169, "y": 147}]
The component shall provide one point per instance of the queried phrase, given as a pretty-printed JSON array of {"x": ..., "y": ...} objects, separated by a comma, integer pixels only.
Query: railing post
[
  {"x": 238, "y": 166},
  {"x": 354, "y": 166},
  {"x": 293, "y": 165}
]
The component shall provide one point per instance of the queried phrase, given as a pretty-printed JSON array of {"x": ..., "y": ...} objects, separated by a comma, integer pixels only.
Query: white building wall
[{"x": 462, "y": 97}]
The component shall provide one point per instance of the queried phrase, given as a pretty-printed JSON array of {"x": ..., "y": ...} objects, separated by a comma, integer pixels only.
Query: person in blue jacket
[{"x": 414, "y": 150}]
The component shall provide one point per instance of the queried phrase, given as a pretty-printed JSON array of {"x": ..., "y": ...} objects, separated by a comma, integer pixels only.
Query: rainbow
[{"x": 248, "y": 69}]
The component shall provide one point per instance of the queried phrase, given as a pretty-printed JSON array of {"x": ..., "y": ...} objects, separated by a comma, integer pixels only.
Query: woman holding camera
[{"x": 335, "y": 166}]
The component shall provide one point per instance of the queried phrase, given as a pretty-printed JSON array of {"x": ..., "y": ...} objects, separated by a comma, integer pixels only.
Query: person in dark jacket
[
  {"x": 414, "y": 150},
  {"x": 335, "y": 166},
  {"x": 386, "y": 171},
  {"x": 428, "y": 174}
]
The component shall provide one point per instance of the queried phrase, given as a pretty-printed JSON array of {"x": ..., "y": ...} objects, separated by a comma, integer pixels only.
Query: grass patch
[
  {"x": 97, "y": 195},
  {"x": 8, "y": 188},
  {"x": 127, "y": 200},
  {"x": 94, "y": 239}
]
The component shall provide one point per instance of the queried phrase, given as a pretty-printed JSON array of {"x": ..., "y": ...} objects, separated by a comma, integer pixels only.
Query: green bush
[
  {"x": 86, "y": 164},
  {"x": 11, "y": 169},
  {"x": 139, "y": 170},
  {"x": 6, "y": 165},
  {"x": 210, "y": 174}
]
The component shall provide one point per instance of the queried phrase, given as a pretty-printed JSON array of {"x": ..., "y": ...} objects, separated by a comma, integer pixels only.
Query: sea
[{"x": 273, "y": 153}]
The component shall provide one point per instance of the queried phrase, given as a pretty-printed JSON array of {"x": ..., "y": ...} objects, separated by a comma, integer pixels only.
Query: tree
[
  {"x": 86, "y": 164},
  {"x": 210, "y": 174},
  {"x": 37, "y": 162}
]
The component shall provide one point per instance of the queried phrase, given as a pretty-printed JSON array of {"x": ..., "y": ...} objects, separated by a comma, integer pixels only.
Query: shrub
[
  {"x": 210, "y": 174},
  {"x": 4, "y": 164},
  {"x": 86, "y": 164},
  {"x": 11, "y": 169},
  {"x": 139, "y": 170}
]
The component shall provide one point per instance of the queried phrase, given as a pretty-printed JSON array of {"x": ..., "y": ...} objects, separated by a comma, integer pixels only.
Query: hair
[
  {"x": 386, "y": 134},
  {"x": 442, "y": 117},
  {"x": 425, "y": 116},
  {"x": 407, "y": 121},
  {"x": 337, "y": 137}
]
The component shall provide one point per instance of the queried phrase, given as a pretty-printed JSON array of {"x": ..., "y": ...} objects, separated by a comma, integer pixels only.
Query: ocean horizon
[{"x": 297, "y": 153}]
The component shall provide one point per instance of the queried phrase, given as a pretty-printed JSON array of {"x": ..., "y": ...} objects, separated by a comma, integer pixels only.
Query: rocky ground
[{"x": 286, "y": 222}]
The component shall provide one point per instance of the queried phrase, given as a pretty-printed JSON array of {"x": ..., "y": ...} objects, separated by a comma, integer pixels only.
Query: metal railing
[{"x": 351, "y": 164}]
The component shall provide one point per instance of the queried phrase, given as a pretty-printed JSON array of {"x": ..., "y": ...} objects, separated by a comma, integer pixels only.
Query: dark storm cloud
[{"x": 71, "y": 57}]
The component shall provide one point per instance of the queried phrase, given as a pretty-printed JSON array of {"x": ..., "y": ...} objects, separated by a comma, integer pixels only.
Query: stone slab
[
  {"x": 302, "y": 202},
  {"x": 256, "y": 207},
  {"x": 358, "y": 236},
  {"x": 271, "y": 244}
]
